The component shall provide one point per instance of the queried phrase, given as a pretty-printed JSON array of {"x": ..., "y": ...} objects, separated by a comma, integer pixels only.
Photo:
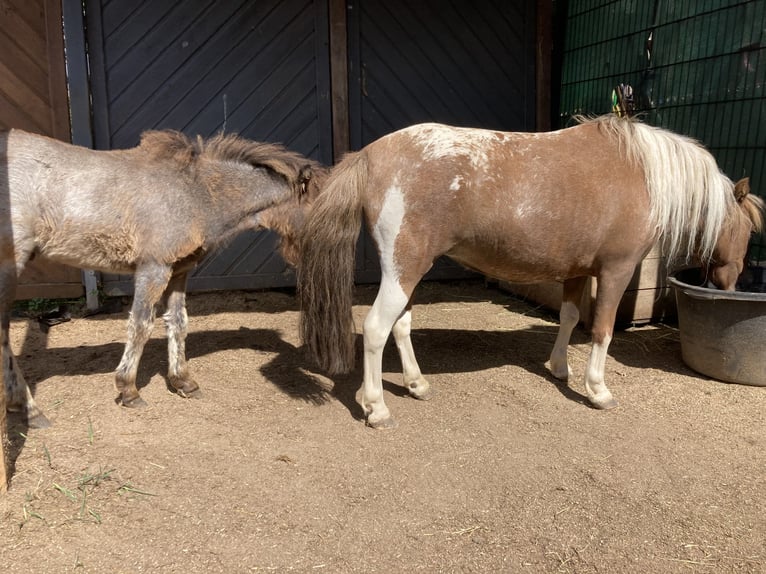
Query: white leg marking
[
  {"x": 388, "y": 306},
  {"x": 569, "y": 315},
  {"x": 413, "y": 378},
  {"x": 597, "y": 391}
]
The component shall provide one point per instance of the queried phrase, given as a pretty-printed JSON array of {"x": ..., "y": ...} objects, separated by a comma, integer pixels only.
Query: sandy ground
[{"x": 273, "y": 469}]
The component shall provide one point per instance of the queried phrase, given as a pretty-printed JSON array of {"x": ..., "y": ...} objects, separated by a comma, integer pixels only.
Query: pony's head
[
  {"x": 730, "y": 252},
  {"x": 287, "y": 219}
]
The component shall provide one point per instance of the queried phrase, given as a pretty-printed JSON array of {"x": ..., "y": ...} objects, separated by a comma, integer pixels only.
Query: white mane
[{"x": 690, "y": 197}]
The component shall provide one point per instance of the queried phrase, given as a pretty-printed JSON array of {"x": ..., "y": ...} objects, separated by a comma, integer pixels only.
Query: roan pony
[
  {"x": 590, "y": 200},
  {"x": 153, "y": 211}
]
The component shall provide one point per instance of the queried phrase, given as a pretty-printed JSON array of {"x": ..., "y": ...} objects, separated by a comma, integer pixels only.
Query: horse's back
[
  {"x": 495, "y": 201},
  {"x": 87, "y": 208}
]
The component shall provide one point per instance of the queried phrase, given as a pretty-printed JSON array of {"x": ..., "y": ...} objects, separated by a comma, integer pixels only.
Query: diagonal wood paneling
[
  {"x": 256, "y": 68},
  {"x": 453, "y": 61},
  {"x": 32, "y": 80},
  {"x": 460, "y": 62},
  {"x": 33, "y": 97}
]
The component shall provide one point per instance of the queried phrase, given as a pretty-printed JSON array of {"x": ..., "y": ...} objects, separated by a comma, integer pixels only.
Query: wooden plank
[
  {"x": 32, "y": 104},
  {"x": 57, "y": 87},
  {"x": 543, "y": 62},
  {"x": 323, "y": 136},
  {"x": 339, "y": 79},
  {"x": 31, "y": 39},
  {"x": 50, "y": 290},
  {"x": 645, "y": 306},
  {"x": 12, "y": 117},
  {"x": 31, "y": 12},
  {"x": 154, "y": 36},
  {"x": 34, "y": 73}
]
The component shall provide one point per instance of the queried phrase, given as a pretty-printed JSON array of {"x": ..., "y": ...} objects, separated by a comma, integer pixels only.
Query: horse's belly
[
  {"x": 517, "y": 265},
  {"x": 86, "y": 248}
]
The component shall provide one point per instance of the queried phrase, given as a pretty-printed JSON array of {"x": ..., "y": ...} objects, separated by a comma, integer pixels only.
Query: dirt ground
[{"x": 273, "y": 470}]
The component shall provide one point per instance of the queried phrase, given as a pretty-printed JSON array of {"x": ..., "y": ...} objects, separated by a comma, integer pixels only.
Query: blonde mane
[{"x": 690, "y": 198}]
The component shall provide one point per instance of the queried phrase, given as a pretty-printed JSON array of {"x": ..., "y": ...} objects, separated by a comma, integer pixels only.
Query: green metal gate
[{"x": 697, "y": 67}]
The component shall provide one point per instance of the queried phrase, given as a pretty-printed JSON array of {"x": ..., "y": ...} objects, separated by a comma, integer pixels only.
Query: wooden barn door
[
  {"x": 33, "y": 97},
  {"x": 462, "y": 62},
  {"x": 260, "y": 69}
]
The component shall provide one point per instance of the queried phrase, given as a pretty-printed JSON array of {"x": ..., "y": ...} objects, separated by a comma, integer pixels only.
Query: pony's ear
[
  {"x": 741, "y": 189},
  {"x": 304, "y": 176},
  {"x": 305, "y": 173}
]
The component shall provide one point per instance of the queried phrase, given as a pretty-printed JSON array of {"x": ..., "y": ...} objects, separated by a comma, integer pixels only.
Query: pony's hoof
[
  {"x": 135, "y": 403},
  {"x": 38, "y": 421},
  {"x": 562, "y": 374},
  {"x": 604, "y": 404},
  {"x": 186, "y": 388},
  {"x": 193, "y": 394},
  {"x": 421, "y": 393},
  {"x": 384, "y": 424}
]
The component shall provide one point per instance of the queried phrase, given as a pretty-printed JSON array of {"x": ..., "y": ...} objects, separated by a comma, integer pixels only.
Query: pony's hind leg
[
  {"x": 176, "y": 324},
  {"x": 416, "y": 384},
  {"x": 388, "y": 308},
  {"x": 150, "y": 283},
  {"x": 569, "y": 315}
]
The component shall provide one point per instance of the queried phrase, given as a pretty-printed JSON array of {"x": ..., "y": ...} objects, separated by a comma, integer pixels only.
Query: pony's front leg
[
  {"x": 611, "y": 286},
  {"x": 418, "y": 386},
  {"x": 18, "y": 397},
  {"x": 150, "y": 283},
  {"x": 569, "y": 316},
  {"x": 388, "y": 307},
  {"x": 176, "y": 325}
]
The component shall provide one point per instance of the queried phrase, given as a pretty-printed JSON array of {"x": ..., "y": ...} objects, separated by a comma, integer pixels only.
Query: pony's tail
[{"x": 326, "y": 263}]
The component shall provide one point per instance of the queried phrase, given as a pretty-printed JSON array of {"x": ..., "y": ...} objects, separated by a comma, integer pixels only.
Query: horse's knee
[
  {"x": 403, "y": 326},
  {"x": 374, "y": 337},
  {"x": 176, "y": 321},
  {"x": 569, "y": 314}
]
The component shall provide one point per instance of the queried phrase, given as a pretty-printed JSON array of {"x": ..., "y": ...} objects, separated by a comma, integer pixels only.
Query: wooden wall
[
  {"x": 33, "y": 93},
  {"x": 33, "y": 97}
]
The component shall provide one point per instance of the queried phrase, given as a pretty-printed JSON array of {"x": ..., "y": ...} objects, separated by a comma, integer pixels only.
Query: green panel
[{"x": 706, "y": 76}]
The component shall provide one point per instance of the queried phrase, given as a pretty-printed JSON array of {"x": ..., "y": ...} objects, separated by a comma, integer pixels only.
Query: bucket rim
[{"x": 699, "y": 292}]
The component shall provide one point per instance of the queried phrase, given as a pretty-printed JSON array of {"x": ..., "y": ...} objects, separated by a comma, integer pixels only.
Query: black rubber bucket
[{"x": 723, "y": 333}]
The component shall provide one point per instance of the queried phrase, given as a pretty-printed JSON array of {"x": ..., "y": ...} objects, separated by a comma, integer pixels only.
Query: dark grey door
[
  {"x": 461, "y": 62},
  {"x": 259, "y": 69}
]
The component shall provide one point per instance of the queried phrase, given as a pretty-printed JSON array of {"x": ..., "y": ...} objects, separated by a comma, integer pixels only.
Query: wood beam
[
  {"x": 543, "y": 61},
  {"x": 339, "y": 78}
]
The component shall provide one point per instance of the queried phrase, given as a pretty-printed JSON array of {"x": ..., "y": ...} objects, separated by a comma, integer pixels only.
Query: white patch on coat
[
  {"x": 386, "y": 228},
  {"x": 439, "y": 141},
  {"x": 456, "y": 183}
]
